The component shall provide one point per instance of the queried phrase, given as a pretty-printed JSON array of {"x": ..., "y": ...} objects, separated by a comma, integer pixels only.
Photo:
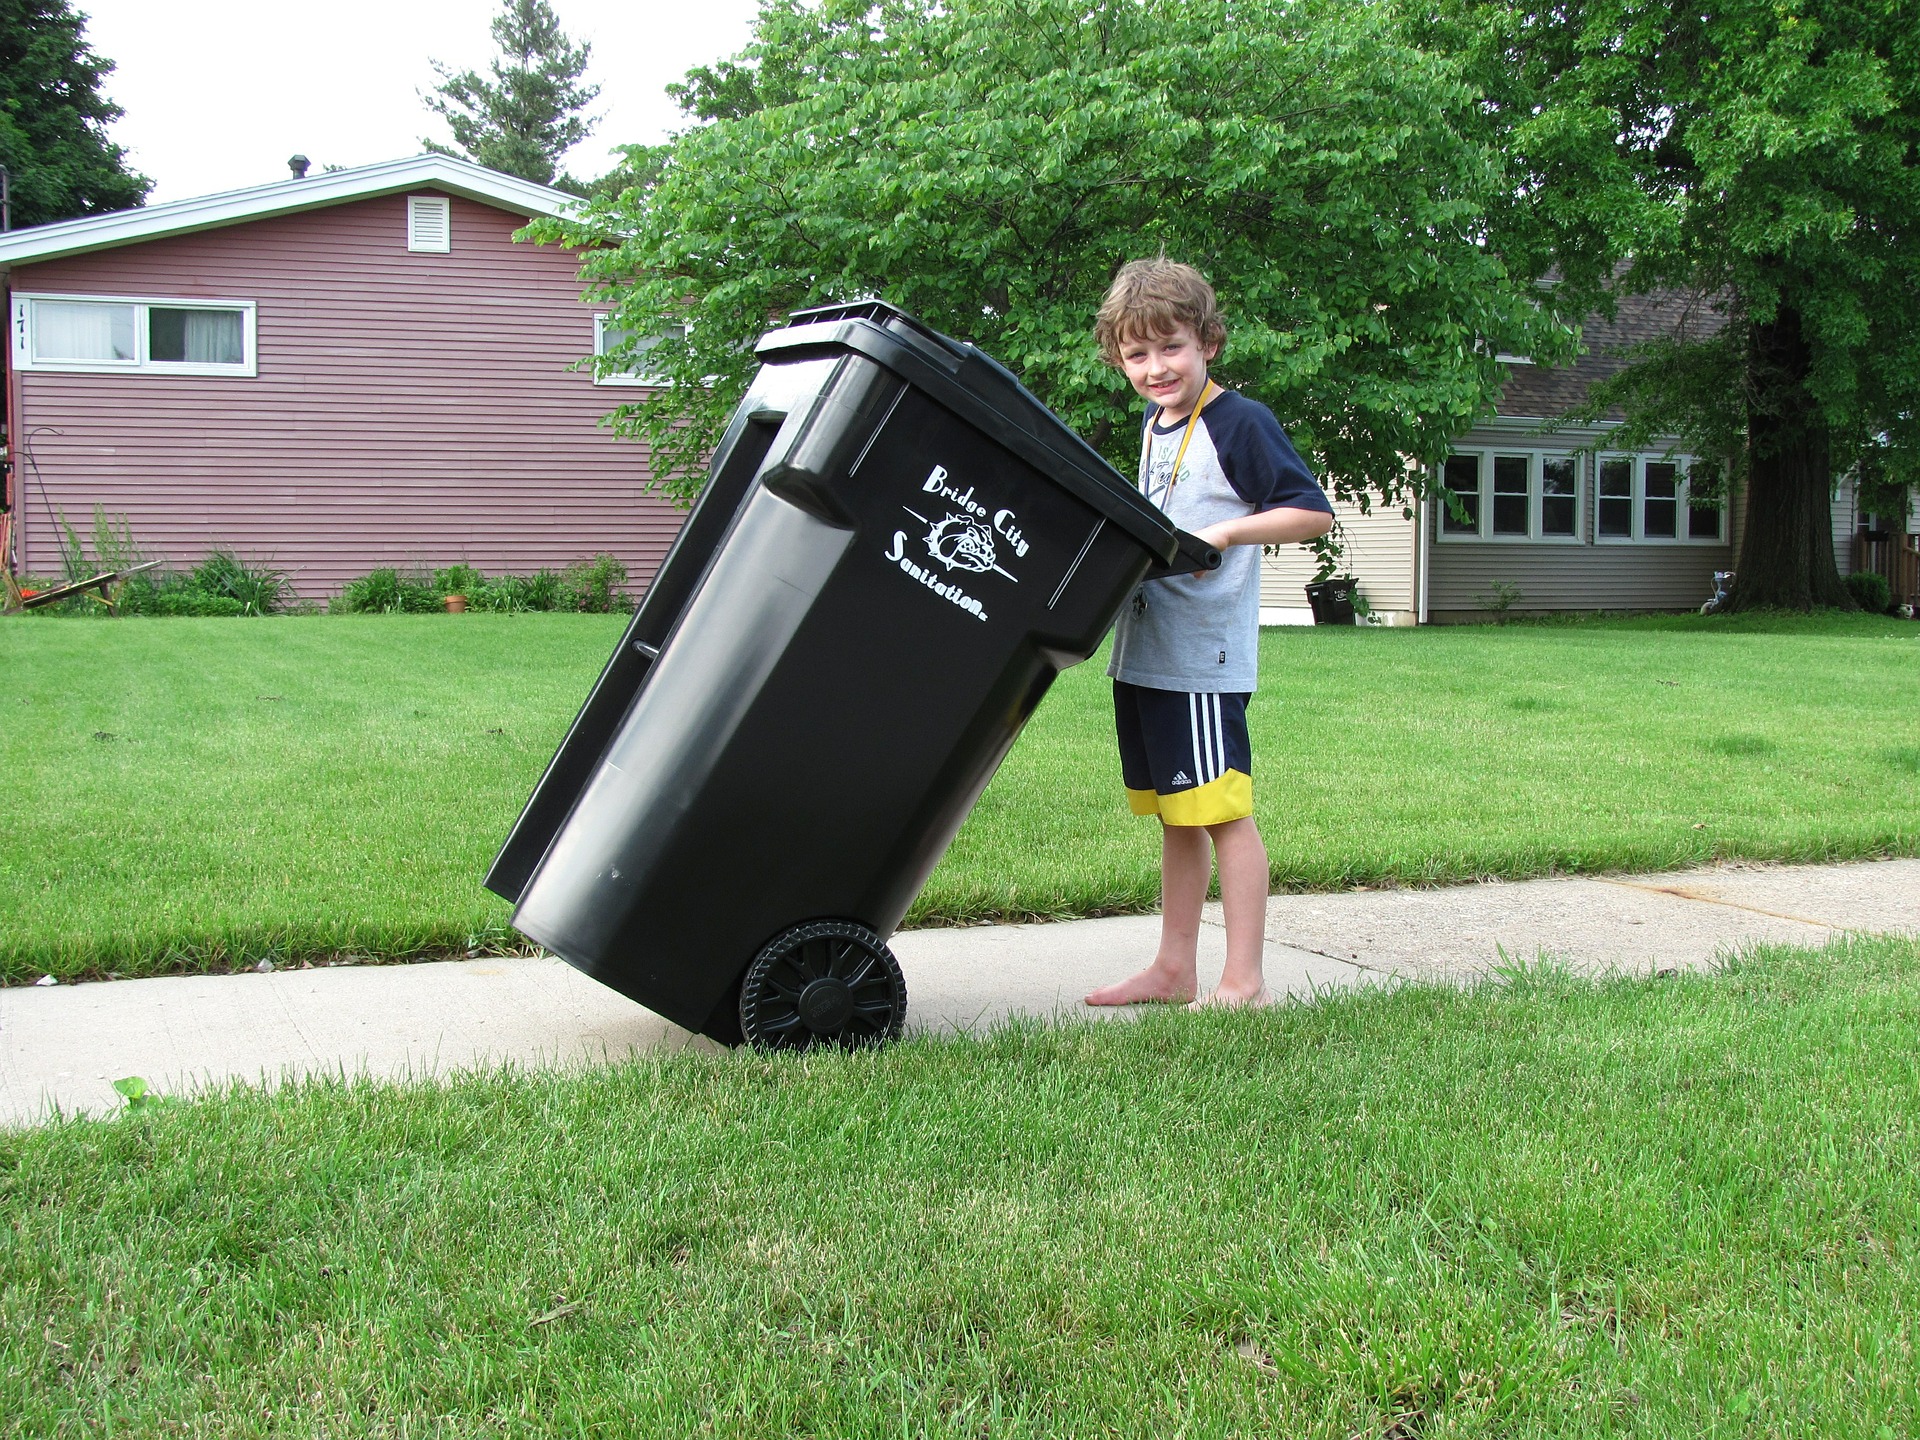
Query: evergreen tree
[
  {"x": 523, "y": 119},
  {"x": 53, "y": 118}
]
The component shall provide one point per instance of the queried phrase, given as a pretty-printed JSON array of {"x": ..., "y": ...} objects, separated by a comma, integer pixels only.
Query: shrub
[
  {"x": 221, "y": 584},
  {"x": 386, "y": 592},
  {"x": 591, "y": 585},
  {"x": 595, "y": 585},
  {"x": 1870, "y": 592},
  {"x": 258, "y": 589},
  {"x": 504, "y": 596},
  {"x": 113, "y": 549},
  {"x": 461, "y": 579},
  {"x": 1501, "y": 597},
  {"x": 187, "y": 600},
  {"x": 545, "y": 590}
]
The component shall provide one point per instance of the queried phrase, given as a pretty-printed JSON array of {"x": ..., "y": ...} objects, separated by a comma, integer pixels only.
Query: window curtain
[
  {"x": 213, "y": 337},
  {"x": 70, "y": 330},
  {"x": 195, "y": 337}
]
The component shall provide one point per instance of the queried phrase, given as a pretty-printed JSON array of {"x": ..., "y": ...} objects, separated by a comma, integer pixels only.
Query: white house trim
[{"x": 284, "y": 197}]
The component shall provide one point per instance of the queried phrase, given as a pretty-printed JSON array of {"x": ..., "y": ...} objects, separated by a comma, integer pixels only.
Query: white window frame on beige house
[
  {"x": 1638, "y": 498},
  {"x": 1533, "y": 465}
]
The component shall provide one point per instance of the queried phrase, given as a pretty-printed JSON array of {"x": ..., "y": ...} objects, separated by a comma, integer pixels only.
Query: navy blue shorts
[{"x": 1184, "y": 756}]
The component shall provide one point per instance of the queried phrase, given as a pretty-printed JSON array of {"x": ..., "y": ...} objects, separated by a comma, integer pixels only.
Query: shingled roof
[{"x": 1538, "y": 392}]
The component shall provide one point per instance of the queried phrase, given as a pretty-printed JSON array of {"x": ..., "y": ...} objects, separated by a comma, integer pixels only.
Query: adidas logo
[{"x": 1181, "y": 779}]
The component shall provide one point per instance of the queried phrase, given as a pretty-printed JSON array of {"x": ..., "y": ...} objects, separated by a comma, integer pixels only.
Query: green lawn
[
  {"x": 1552, "y": 1208},
  {"x": 191, "y": 793}
]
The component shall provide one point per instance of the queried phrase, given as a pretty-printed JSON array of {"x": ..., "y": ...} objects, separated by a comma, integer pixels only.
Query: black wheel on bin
[{"x": 828, "y": 982}]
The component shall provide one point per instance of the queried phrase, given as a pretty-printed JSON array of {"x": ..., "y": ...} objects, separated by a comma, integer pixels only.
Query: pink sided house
[{"x": 328, "y": 374}]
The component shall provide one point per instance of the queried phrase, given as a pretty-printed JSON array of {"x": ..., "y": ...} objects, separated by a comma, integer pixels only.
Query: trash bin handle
[{"x": 1194, "y": 556}]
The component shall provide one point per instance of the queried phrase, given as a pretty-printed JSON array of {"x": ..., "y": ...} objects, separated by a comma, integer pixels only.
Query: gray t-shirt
[{"x": 1202, "y": 632}]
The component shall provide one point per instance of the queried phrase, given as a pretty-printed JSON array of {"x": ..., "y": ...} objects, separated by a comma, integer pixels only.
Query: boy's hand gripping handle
[{"x": 1195, "y": 556}]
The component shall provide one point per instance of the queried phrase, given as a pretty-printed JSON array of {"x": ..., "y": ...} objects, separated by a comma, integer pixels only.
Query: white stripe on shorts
[{"x": 1193, "y": 724}]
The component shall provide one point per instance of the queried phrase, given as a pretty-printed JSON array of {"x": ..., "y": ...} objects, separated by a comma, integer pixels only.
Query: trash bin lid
[{"x": 984, "y": 393}]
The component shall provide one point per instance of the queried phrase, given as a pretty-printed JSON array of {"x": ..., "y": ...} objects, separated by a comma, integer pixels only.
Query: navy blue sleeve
[{"x": 1258, "y": 458}]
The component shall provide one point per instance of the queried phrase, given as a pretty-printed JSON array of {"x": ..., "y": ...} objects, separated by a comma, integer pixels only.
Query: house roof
[
  {"x": 284, "y": 197},
  {"x": 1542, "y": 393}
]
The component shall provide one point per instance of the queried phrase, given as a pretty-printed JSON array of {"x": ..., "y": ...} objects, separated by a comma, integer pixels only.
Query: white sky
[{"x": 218, "y": 93}]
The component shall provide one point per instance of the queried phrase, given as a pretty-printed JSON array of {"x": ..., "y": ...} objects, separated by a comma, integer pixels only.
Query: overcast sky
[{"x": 218, "y": 93}]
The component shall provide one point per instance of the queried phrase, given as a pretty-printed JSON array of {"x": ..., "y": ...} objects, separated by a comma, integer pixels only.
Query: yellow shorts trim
[{"x": 1230, "y": 797}]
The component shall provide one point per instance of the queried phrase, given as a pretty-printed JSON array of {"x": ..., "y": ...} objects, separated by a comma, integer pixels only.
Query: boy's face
[{"x": 1169, "y": 370}]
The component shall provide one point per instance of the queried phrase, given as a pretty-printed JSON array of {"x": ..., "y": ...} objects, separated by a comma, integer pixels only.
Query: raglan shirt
[{"x": 1201, "y": 632}]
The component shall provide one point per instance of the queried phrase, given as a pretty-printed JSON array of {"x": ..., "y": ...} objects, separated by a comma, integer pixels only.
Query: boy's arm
[
  {"x": 1287, "y": 504},
  {"x": 1283, "y": 525}
]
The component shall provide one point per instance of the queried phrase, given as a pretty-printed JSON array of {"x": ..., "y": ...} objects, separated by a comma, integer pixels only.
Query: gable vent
[{"x": 429, "y": 223}]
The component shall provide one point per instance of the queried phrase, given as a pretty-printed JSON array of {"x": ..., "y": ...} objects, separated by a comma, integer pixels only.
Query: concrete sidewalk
[{"x": 64, "y": 1046}]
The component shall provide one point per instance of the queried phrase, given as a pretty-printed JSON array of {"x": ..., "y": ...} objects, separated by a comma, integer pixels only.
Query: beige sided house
[{"x": 1546, "y": 527}]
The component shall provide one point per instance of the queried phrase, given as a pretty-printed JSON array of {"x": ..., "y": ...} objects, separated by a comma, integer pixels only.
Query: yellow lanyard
[{"x": 1207, "y": 392}]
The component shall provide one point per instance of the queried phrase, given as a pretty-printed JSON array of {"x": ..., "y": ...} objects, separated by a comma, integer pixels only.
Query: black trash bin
[
  {"x": 897, "y": 550},
  {"x": 1332, "y": 601}
]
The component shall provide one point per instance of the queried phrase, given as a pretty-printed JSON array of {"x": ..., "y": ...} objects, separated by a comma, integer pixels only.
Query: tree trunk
[{"x": 1786, "y": 554}]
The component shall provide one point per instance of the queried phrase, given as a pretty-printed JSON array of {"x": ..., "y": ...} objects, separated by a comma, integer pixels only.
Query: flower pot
[{"x": 456, "y": 604}]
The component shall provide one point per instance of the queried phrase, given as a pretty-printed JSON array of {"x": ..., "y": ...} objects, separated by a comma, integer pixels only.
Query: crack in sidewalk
[
  {"x": 1352, "y": 960},
  {"x": 1681, "y": 892}
]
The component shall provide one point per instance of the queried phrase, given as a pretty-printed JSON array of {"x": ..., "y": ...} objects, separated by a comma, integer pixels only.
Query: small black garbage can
[
  {"x": 897, "y": 550},
  {"x": 1332, "y": 601}
]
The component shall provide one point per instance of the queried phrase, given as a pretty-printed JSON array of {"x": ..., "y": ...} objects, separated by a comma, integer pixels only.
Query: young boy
[{"x": 1185, "y": 652}]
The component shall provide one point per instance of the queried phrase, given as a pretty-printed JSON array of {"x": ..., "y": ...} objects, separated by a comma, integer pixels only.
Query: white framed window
[
  {"x": 1647, "y": 499},
  {"x": 609, "y": 337},
  {"x": 1513, "y": 495},
  {"x": 130, "y": 335},
  {"x": 430, "y": 224}
]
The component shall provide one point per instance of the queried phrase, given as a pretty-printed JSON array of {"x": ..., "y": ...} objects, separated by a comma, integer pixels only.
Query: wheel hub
[{"x": 826, "y": 1005}]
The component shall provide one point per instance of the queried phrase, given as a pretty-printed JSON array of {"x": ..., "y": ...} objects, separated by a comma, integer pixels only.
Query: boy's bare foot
[
  {"x": 1152, "y": 986},
  {"x": 1225, "y": 999}
]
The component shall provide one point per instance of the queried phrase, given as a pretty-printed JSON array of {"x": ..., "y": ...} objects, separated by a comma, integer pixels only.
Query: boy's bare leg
[
  {"x": 1243, "y": 895},
  {"x": 1186, "y": 864}
]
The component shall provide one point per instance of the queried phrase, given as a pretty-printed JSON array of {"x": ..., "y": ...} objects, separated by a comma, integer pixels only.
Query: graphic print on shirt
[{"x": 1160, "y": 474}]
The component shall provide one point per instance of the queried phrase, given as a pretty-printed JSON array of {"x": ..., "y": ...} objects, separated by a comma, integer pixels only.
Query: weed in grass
[
  {"x": 1905, "y": 757},
  {"x": 140, "y": 1096},
  {"x": 1530, "y": 704},
  {"x": 1740, "y": 746}
]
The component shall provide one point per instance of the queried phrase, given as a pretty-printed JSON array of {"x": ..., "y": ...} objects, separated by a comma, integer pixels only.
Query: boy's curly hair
[{"x": 1152, "y": 298}]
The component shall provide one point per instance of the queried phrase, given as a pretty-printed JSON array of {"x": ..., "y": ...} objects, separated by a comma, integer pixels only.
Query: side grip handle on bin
[{"x": 1193, "y": 557}]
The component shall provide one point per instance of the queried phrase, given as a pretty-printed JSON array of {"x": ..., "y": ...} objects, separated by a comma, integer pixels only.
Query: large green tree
[
  {"x": 530, "y": 108},
  {"x": 988, "y": 164},
  {"x": 53, "y": 118},
  {"x": 1761, "y": 154}
]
